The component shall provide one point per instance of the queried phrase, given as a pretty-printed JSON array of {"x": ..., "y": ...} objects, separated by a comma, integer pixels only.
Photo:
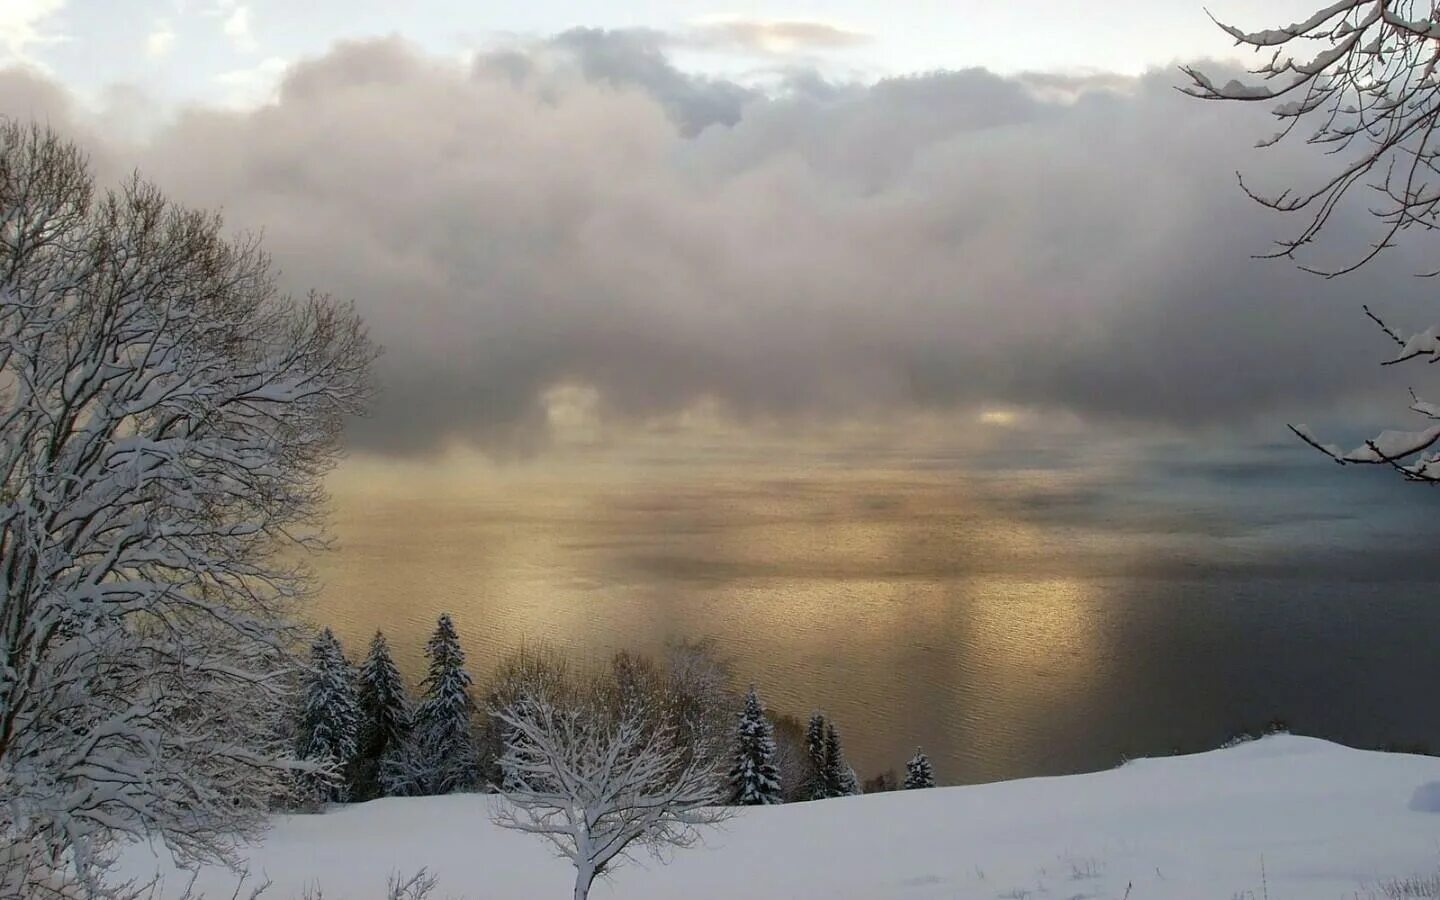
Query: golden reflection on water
[{"x": 905, "y": 601}]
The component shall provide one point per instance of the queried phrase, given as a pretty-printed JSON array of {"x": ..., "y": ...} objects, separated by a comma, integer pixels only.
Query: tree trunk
[{"x": 583, "y": 878}]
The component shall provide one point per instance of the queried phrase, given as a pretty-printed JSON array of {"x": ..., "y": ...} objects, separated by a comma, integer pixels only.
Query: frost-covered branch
[
  {"x": 597, "y": 783},
  {"x": 1362, "y": 75},
  {"x": 166, "y": 416},
  {"x": 1358, "y": 78}
]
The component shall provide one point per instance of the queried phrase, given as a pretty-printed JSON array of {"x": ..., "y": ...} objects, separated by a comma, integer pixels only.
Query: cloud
[
  {"x": 634, "y": 58},
  {"x": 780, "y": 37},
  {"x": 25, "y": 24},
  {"x": 160, "y": 40},
  {"x": 237, "y": 28},
  {"x": 1068, "y": 86},
  {"x": 248, "y": 87},
  {"x": 946, "y": 243}
]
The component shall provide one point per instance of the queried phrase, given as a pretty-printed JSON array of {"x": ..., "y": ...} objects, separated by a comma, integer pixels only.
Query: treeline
[{"x": 363, "y": 735}]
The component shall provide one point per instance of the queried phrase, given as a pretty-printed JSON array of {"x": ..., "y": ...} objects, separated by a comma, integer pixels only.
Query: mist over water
[{"x": 1015, "y": 615}]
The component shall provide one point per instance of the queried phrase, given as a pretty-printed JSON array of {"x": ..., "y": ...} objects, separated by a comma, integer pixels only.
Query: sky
[
  {"x": 234, "y": 49},
  {"x": 569, "y": 222},
  {"x": 870, "y": 307}
]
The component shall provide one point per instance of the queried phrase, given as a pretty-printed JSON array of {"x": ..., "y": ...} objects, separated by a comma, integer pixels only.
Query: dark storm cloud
[
  {"x": 829, "y": 250},
  {"x": 636, "y": 58}
]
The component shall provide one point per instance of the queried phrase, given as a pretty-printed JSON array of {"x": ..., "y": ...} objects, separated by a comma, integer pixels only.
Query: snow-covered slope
[{"x": 1328, "y": 821}]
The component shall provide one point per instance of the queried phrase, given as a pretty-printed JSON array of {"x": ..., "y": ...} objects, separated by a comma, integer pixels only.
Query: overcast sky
[
  {"x": 222, "y": 49},
  {"x": 550, "y": 212}
]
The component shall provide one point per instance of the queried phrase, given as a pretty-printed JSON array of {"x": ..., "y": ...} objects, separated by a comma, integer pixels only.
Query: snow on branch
[
  {"x": 1403, "y": 451},
  {"x": 1390, "y": 447},
  {"x": 1362, "y": 75},
  {"x": 1370, "y": 94},
  {"x": 598, "y": 782},
  {"x": 165, "y": 418}
]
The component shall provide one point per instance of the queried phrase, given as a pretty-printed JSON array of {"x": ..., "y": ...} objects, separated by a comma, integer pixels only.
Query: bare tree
[
  {"x": 397, "y": 887},
  {"x": 791, "y": 758},
  {"x": 701, "y": 692},
  {"x": 598, "y": 783},
  {"x": 166, "y": 416},
  {"x": 1359, "y": 80},
  {"x": 533, "y": 670}
]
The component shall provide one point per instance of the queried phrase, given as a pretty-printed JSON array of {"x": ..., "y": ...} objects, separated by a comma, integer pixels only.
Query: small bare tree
[
  {"x": 166, "y": 417},
  {"x": 701, "y": 695},
  {"x": 1357, "y": 78},
  {"x": 597, "y": 782}
]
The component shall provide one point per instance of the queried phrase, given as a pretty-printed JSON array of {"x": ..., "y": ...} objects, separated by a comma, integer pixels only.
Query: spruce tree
[
  {"x": 815, "y": 749},
  {"x": 329, "y": 731},
  {"x": 837, "y": 777},
  {"x": 918, "y": 773},
  {"x": 444, "y": 736},
  {"x": 754, "y": 778},
  {"x": 385, "y": 717}
]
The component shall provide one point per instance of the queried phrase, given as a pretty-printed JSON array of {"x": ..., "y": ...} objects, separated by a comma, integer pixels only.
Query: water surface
[{"x": 1014, "y": 614}]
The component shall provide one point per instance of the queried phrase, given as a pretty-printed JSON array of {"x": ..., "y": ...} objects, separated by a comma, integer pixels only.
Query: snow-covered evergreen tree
[
  {"x": 385, "y": 717},
  {"x": 833, "y": 765},
  {"x": 815, "y": 749},
  {"x": 918, "y": 773},
  {"x": 754, "y": 778},
  {"x": 444, "y": 735},
  {"x": 329, "y": 733},
  {"x": 836, "y": 775},
  {"x": 831, "y": 776}
]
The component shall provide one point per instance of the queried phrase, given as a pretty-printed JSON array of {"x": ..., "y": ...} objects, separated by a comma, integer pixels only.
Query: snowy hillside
[{"x": 1329, "y": 821}]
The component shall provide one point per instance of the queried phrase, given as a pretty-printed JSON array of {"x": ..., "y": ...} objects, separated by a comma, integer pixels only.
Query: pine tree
[
  {"x": 444, "y": 737},
  {"x": 754, "y": 778},
  {"x": 815, "y": 748},
  {"x": 385, "y": 717},
  {"x": 836, "y": 775},
  {"x": 329, "y": 732},
  {"x": 918, "y": 773},
  {"x": 831, "y": 776}
]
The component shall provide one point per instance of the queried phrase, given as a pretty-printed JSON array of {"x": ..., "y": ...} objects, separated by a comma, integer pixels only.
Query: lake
[{"x": 1041, "y": 613}]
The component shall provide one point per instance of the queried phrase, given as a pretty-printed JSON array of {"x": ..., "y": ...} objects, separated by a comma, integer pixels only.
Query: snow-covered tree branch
[
  {"x": 166, "y": 416},
  {"x": 1359, "y": 79},
  {"x": 1364, "y": 87},
  {"x": 597, "y": 783}
]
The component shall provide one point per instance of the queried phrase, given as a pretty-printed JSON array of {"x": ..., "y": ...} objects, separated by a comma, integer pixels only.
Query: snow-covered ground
[{"x": 1328, "y": 822}]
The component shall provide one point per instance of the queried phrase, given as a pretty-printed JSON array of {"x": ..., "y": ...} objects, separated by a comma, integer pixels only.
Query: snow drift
[{"x": 1325, "y": 821}]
